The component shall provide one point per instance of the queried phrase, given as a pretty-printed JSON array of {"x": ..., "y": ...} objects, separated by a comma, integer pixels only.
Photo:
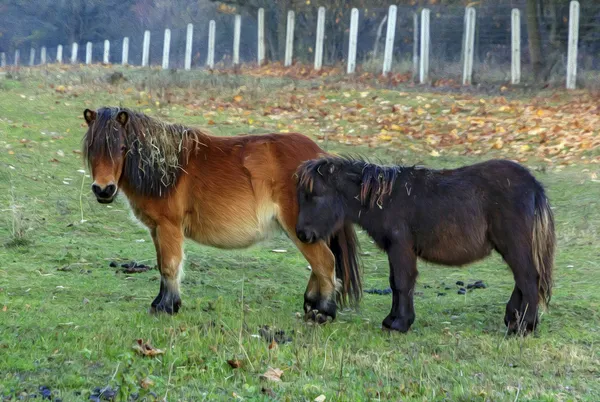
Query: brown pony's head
[{"x": 104, "y": 149}]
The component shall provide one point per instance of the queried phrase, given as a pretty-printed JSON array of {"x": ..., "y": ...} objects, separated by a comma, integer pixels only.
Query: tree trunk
[{"x": 534, "y": 39}]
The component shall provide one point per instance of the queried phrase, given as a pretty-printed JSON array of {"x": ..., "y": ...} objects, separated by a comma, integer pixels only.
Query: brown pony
[{"x": 226, "y": 192}]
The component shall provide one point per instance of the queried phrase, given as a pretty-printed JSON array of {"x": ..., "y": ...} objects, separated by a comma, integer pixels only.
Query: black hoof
[
  {"x": 399, "y": 324},
  {"x": 519, "y": 328},
  {"x": 319, "y": 311},
  {"x": 166, "y": 303}
]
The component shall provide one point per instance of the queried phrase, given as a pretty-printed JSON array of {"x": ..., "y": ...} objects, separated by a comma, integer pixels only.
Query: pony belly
[
  {"x": 456, "y": 249},
  {"x": 240, "y": 230}
]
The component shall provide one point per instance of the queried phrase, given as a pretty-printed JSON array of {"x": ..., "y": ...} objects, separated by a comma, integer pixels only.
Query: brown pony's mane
[
  {"x": 376, "y": 181},
  {"x": 157, "y": 152}
]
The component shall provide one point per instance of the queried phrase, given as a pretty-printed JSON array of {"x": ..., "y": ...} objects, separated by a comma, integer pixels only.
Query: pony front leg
[
  {"x": 168, "y": 240},
  {"x": 403, "y": 275},
  {"x": 319, "y": 298}
]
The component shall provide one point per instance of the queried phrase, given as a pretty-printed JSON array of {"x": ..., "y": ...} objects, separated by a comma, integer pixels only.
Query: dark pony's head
[
  {"x": 121, "y": 145},
  {"x": 331, "y": 188}
]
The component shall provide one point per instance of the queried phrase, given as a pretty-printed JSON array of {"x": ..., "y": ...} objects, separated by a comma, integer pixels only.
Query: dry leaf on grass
[
  {"x": 272, "y": 374},
  {"x": 146, "y": 383},
  {"x": 320, "y": 398},
  {"x": 234, "y": 363},
  {"x": 145, "y": 349}
]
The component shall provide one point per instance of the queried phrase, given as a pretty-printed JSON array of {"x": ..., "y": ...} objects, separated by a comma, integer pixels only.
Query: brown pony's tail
[
  {"x": 543, "y": 244},
  {"x": 344, "y": 246}
]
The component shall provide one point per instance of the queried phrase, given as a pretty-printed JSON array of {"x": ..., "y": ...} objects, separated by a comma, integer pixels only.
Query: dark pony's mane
[
  {"x": 376, "y": 181},
  {"x": 157, "y": 152}
]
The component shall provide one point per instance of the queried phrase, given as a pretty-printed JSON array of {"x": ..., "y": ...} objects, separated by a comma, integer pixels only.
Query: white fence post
[
  {"x": 17, "y": 57},
  {"x": 389, "y": 39},
  {"x": 32, "y": 57},
  {"x": 261, "y": 36},
  {"x": 125, "y": 51},
  {"x": 289, "y": 38},
  {"x": 59, "y": 52},
  {"x": 43, "y": 55},
  {"x": 189, "y": 38},
  {"x": 166, "y": 49},
  {"x": 352, "y": 41},
  {"x": 2, "y": 59},
  {"x": 573, "y": 42},
  {"x": 210, "y": 60},
  {"x": 320, "y": 38},
  {"x": 88, "y": 53},
  {"x": 237, "y": 29},
  {"x": 415, "y": 45},
  {"x": 106, "y": 58},
  {"x": 146, "y": 49},
  {"x": 425, "y": 41},
  {"x": 74, "y": 49},
  {"x": 469, "y": 45},
  {"x": 515, "y": 70}
]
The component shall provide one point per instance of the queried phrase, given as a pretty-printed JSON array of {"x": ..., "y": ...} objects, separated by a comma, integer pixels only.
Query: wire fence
[{"x": 492, "y": 51}]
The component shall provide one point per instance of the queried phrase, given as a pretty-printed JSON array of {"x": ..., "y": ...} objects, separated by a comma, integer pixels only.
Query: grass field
[{"x": 68, "y": 321}]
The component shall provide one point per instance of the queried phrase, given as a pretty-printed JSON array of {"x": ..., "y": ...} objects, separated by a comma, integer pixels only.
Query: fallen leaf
[
  {"x": 272, "y": 374},
  {"x": 320, "y": 398},
  {"x": 273, "y": 344},
  {"x": 234, "y": 363},
  {"x": 146, "y": 383},
  {"x": 144, "y": 348},
  {"x": 238, "y": 98},
  {"x": 5, "y": 308}
]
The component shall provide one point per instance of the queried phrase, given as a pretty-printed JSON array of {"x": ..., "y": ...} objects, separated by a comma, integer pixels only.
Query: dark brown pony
[
  {"x": 451, "y": 217},
  {"x": 226, "y": 192}
]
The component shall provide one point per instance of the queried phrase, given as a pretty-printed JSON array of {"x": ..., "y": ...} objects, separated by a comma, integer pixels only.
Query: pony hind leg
[
  {"x": 168, "y": 240},
  {"x": 521, "y": 314}
]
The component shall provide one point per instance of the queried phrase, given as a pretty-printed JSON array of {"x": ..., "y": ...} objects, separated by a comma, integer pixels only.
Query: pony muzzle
[
  {"x": 106, "y": 194},
  {"x": 306, "y": 235}
]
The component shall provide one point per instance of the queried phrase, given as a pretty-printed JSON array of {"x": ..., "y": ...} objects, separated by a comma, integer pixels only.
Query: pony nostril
[
  {"x": 96, "y": 189},
  {"x": 110, "y": 190}
]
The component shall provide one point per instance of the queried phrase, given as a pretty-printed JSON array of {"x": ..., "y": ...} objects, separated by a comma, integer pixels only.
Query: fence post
[
  {"x": 469, "y": 45},
  {"x": 515, "y": 70},
  {"x": 237, "y": 29},
  {"x": 389, "y": 40},
  {"x": 320, "y": 38},
  {"x": 261, "y": 36},
  {"x": 106, "y": 58},
  {"x": 573, "y": 42},
  {"x": 189, "y": 38},
  {"x": 125, "y": 51},
  {"x": 166, "y": 49},
  {"x": 289, "y": 38},
  {"x": 146, "y": 49},
  {"x": 74, "y": 50},
  {"x": 352, "y": 41},
  {"x": 88, "y": 53},
  {"x": 2, "y": 59},
  {"x": 210, "y": 60},
  {"x": 425, "y": 41},
  {"x": 32, "y": 57},
  {"x": 59, "y": 52},
  {"x": 43, "y": 55},
  {"x": 415, "y": 45}
]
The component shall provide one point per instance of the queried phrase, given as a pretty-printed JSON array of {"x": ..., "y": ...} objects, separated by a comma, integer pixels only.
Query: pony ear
[
  {"x": 89, "y": 116},
  {"x": 122, "y": 117}
]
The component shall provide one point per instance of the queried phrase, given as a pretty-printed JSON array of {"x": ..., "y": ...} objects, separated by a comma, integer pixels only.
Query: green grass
[{"x": 69, "y": 322}]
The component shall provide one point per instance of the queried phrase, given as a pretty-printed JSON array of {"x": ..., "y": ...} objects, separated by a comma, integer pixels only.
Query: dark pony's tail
[
  {"x": 543, "y": 245},
  {"x": 344, "y": 246}
]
